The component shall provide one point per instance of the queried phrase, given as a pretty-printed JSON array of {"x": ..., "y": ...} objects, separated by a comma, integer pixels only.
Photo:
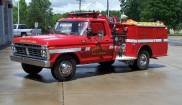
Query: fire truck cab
[{"x": 90, "y": 38}]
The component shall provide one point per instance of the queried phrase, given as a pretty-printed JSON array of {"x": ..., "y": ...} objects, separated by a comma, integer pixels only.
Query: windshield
[{"x": 71, "y": 27}]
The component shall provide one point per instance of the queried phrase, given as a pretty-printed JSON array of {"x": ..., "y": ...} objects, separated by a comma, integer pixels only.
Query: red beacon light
[{"x": 83, "y": 15}]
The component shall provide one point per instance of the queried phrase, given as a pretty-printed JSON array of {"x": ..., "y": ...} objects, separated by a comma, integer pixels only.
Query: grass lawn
[{"x": 175, "y": 34}]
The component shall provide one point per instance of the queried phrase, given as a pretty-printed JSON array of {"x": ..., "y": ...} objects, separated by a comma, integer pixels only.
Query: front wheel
[
  {"x": 23, "y": 34},
  {"x": 142, "y": 62},
  {"x": 64, "y": 69},
  {"x": 31, "y": 69}
]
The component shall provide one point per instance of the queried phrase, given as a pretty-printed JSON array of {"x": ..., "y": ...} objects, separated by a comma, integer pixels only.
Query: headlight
[
  {"x": 13, "y": 48},
  {"x": 43, "y": 53}
]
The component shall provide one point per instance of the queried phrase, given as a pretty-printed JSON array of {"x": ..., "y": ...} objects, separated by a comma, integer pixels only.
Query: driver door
[{"x": 97, "y": 49}]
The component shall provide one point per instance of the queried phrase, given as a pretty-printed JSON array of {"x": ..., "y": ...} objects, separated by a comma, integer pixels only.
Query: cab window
[
  {"x": 72, "y": 27},
  {"x": 22, "y": 27}
]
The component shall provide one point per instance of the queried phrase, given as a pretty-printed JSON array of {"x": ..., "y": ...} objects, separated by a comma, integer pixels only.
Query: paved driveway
[{"x": 94, "y": 85}]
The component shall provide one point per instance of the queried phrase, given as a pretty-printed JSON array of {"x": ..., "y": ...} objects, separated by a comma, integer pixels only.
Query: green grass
[{"x": 174, "y": 34}]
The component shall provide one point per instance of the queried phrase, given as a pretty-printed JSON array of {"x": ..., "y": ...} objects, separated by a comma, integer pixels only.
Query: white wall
[{"x": 6, "y": 21}]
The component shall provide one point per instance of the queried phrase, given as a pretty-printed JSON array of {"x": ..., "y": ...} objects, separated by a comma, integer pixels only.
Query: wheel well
[
  {"x": 72, "y": 55},
  {"x": 147, "y": 48},
  {"x": 23, "y": 33}
]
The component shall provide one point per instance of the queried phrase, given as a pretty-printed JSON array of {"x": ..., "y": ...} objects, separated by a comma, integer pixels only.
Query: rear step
[{"x": 123, "y": 58}]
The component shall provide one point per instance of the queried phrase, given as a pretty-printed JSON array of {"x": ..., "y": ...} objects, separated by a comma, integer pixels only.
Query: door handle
[
  {"x": 107, "y": 40},
  {"x": 144, "y": 35},
  {"x": 83, "y": 41},
  {"x": 97, "y": 42}
]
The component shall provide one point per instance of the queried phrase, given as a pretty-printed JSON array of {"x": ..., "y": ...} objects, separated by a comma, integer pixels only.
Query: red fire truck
[{"x": 90, "y": 38}]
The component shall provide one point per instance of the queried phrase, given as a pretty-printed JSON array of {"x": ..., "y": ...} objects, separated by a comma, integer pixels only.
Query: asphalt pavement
[{"x": 93, "y": 85}]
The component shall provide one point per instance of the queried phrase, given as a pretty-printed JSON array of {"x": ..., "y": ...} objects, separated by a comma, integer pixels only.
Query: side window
[
  {"x": 14, "y": 26},
  {"x": 96, "y": 27},
  {"x": 22, "y": 27}
]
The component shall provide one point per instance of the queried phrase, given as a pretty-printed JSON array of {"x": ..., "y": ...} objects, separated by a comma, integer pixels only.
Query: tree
[
  {"x": 123, "y": 5},
  {"x": 56, "y": 17},
  {"x": 15, "y": 15},
  {"x": 132, "y": 8},
  {"x": 40, "y": 11},
  {"x": 167, "y": 11},
  {"x": 112, "y": 13},
  {"x": 23, "y": 12}
]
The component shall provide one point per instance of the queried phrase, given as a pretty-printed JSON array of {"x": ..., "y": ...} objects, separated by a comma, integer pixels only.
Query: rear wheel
[
  {"x": 31, "y": 69},
  {"x": 142, "y": 62},
  {"x": 64, "y": 69}
]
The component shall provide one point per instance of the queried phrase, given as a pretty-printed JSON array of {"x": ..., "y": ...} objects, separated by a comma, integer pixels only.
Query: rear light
[{"x": 166, "y": 28}]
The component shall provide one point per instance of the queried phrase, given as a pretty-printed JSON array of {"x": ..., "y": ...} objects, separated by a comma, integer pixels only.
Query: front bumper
[{"x": 40, "y": 63}]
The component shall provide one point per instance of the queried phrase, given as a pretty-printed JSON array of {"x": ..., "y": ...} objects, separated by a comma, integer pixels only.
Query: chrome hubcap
[
  {"x": 143, "y": 60},
  {"x": 65, "y": 68}
]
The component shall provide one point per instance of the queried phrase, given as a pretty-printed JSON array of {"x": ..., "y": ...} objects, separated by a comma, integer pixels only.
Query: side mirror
[
  {"x": 89, "y": 31},
  {"x": 100, "y": 34},
  {"x": 50, "y": 29}
]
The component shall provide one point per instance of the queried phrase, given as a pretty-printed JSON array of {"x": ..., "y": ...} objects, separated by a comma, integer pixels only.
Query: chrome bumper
[{"x": 30, "y": 61}]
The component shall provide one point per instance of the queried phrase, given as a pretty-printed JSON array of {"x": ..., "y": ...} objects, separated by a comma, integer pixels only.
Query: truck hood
[{"x": 49, "y": 40}]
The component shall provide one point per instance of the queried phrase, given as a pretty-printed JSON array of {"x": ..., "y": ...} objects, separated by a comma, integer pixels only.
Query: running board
[{"x": 123, "y": 58}]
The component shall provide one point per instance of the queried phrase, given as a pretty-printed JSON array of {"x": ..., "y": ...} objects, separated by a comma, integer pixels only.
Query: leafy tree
[
  {"x": 167, "y": 11},
  {"x": 23, "y": 12},
  {"x": 15, "y": 15},
  {"x": 56, "y": 17},
  {"x": 123, "y": 5},
  {"x": 64, "y": 15},
  {"x": 112, "y": 13},
  {"x": 40, "y": 11},
  {"x": 132, "y": 8}
]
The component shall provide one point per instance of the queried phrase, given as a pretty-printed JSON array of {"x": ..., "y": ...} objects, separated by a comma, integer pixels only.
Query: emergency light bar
[{"x": 83, "y": 15}]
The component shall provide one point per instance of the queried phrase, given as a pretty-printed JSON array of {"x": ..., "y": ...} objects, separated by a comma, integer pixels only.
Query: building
[{"x": 6, "y": 22}]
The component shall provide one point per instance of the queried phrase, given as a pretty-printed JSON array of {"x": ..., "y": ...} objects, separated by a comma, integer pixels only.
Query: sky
[{"x": 62, "y": 6}]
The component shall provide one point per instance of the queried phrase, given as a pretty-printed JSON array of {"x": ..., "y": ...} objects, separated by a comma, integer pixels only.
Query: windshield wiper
[
  {"x": 63, "y": 33},
  {"x": 74, "y": 33}
]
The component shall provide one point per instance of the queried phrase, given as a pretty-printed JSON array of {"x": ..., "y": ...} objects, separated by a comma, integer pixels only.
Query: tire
[
  {"x": 64, "y": 69},
  {"x": 109, "y": 63},
  {"x": 31, "y": 69},
  {"x": 142, "y": 62},
  {"x": 23, "y": 34}
]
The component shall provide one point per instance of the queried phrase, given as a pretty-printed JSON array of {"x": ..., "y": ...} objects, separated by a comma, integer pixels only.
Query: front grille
[
  {"x": 28, "y": 50},
  {"x": 34, "y": 52},
  {"x": 21, "y": 50}
]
